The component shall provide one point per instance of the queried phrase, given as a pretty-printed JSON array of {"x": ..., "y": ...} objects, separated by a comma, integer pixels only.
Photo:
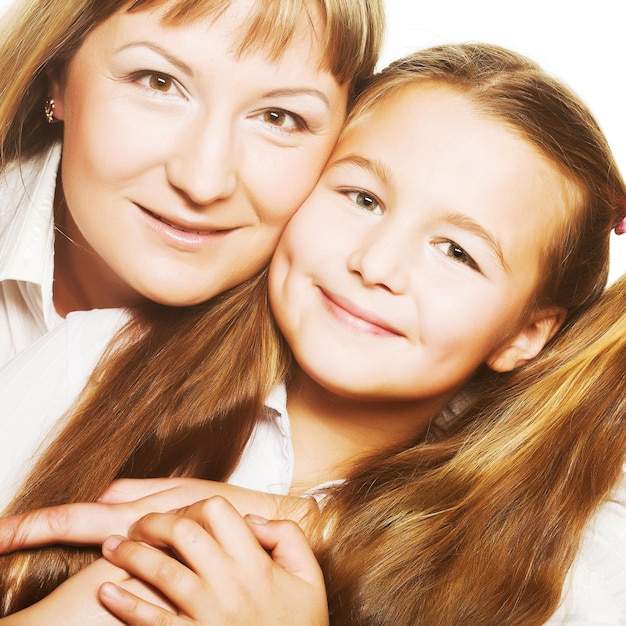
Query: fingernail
[
  {"x": 109, "y": 591},
  {"x": 111, "y": 543},
  {"x": 257, "y": 519}
]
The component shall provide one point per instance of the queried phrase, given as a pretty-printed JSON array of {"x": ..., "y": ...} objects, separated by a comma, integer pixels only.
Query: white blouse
[
  {"x": 39, "y": 385},
  {"x": 27, "y": 252}
]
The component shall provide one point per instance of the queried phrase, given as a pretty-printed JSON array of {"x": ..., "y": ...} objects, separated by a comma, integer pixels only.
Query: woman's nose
[{"x": 204, "y": 165}]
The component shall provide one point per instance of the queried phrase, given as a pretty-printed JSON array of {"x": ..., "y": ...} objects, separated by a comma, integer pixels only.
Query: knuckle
[
  {"x": 182, "y": 528},
  {"x": 9, "y": 535},
  {"x": 213, "y": 506},
  {"x": 169, "y": 572},
  {"x": 58, "y": 520}
]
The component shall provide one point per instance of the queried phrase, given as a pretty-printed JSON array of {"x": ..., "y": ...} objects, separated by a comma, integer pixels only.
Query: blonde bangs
[{"x": 350, "y": 33}]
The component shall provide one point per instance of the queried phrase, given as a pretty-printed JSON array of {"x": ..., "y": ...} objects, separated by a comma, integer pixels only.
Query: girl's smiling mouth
[{"x": 355, "y": 317}]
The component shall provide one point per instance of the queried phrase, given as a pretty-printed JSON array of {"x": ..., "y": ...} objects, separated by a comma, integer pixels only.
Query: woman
[{"x": 165, "y": 143}]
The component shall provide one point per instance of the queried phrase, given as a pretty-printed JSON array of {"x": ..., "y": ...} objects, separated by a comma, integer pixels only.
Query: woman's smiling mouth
[
  {"x": 183, "y": 235},
  {"x": 184, "y": 228}
]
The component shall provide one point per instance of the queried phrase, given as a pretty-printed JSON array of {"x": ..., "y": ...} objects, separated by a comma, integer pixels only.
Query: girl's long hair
[
  {"x": 480, "y": 524},
  {"x": 183, "y": 395}
]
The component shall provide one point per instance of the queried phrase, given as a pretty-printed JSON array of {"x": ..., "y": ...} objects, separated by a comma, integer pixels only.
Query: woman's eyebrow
[
  {"x": 170, "y": 58},
  {"x": 374, "y": 166},
  {"x": 297, "y": 91},
  {"x": 473, "y": 227}
]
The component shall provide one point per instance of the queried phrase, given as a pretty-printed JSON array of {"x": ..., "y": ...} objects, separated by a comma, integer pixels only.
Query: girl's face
[
  {"x": 413, "y": 260},
  {"x": 181, "y": 161}
]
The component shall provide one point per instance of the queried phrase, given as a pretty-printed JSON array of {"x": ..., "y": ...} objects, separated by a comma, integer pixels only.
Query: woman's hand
[
  {"x": 224, "y": 569},
  {"x": 127, "y": 500},
  {"x": 76, "y": 603}
]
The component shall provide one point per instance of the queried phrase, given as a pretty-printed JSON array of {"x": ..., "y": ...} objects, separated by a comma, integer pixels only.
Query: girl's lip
[{"x": 357, "y": 317}]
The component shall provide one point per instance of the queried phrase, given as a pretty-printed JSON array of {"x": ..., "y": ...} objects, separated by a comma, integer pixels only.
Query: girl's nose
[
  {"x": 381, "y": 259},
  {"x": 204, "y": 165}
]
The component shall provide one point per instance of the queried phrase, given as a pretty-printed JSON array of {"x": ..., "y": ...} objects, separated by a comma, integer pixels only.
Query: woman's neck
[
  {"x": 81, "y": 279},
  {"x": 331, "y": 433}
]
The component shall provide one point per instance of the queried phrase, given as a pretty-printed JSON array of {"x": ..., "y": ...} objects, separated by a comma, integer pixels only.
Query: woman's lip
[
  {"x": 183, "y": 237},
  {"x": 182, "y": 227},
  {"x": 357, "y": 317}
]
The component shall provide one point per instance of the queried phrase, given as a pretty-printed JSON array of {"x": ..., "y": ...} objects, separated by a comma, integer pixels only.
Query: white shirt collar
[
  {"x": 27, "y": 219},
  {"x": 267, "y": 461}
]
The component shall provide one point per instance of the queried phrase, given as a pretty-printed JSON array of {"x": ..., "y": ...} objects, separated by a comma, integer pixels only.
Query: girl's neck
[{"x": 331, "y": 433}]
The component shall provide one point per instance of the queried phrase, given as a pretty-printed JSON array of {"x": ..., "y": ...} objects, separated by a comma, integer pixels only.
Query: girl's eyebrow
[
  {"x": 374, "y": 166},
  {"x": 473, "y": 227},
  {"x": 170, "y": 58},
  {"x": 465, "y": 222}
]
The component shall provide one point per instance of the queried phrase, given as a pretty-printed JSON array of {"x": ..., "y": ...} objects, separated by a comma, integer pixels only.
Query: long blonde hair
[
  {"x": 480, "y": 524},
  {"x": 40, "y": 36},
  {"x": 174, "y": 399}
]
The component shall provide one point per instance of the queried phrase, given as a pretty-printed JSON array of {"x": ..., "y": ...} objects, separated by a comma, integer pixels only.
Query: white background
[{"x": 581, "y": 42}]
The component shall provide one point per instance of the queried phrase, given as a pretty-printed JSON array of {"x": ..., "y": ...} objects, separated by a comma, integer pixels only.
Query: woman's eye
[
  {"x": 283, "y": 120},
  {"x": 455, "y": 252},
  {"x": 159, "y": 83},
  {"x": 366, "y": 201}
]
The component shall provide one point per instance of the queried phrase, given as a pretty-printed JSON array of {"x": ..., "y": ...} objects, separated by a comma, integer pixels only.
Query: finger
[
  {"x": 185, "y": 537},
  {"x": 76, "y": 524},
  {"x": 133, "y": 610},
  {"x": 289, "y": 547},
  {"x": 161, "y": 494},
  {"x": 163, "y": 572},
  {"x": 218, "y": 517},
  {"x": 210, "y": 537},
  {"x": 128, "y": 489}
]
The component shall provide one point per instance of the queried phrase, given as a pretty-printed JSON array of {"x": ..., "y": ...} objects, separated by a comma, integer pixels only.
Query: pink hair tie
[{"x": 620, "y": 229}]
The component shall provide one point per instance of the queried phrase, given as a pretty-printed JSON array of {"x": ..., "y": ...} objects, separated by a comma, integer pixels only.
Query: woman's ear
[
  {"x": 56, "y": 92},
  {"x": 529, "y": 341}
]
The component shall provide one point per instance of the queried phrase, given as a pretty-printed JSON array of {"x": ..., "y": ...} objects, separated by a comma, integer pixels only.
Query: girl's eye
[
  {"x": 283, "y": 120},
  {"x": 366, "y": 201},
  {"x": 455, "y": 252}
]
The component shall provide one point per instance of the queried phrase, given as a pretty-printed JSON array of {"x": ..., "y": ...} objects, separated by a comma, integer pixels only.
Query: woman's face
[
  {"x": 413, "y": 260},
  {"x": 182, "y": 162}
]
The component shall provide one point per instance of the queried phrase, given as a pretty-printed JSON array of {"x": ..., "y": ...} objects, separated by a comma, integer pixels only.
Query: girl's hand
[
  {"x": 226, "y": 569},
  {"x": 125, "y": 501}
]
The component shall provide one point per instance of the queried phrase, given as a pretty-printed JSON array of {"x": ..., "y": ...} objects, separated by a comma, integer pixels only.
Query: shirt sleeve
[{"x": 41, "y": 383}]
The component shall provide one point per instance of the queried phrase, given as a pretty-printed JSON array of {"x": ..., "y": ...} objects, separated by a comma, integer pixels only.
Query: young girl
[
  {"x": 483, "y": 518},
  {"x": 411, "y": 288},
  {"x": 164, "y": 143}
]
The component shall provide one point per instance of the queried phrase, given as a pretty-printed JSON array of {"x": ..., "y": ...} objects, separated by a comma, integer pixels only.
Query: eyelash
[
  {"x": 144, "y": 77},
  {"x": 299, "y": 123},
  {"x": 353, "y": 195},
  {"x": 458, "y": 254}
]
